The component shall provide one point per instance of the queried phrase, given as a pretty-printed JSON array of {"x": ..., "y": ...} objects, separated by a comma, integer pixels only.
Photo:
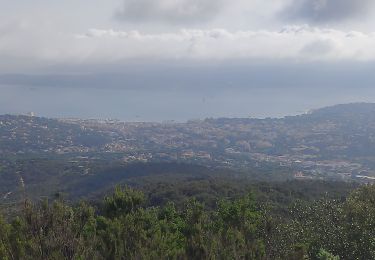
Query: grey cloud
[
  {"x": 326, "y": 11},
  {"x": 178, "y": 11}
]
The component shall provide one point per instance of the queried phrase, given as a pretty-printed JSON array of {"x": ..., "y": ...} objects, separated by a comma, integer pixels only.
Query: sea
[{"x": 180, "y": 105}]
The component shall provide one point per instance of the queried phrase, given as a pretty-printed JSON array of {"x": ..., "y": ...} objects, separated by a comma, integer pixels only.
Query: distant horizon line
[{"x": 174, "y": 121}]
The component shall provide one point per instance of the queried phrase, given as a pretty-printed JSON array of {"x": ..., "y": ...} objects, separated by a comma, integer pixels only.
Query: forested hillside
[{"x": 125, "y": 226}]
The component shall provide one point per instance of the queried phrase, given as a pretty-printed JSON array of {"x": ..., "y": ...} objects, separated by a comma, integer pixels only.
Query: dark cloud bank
[
  {"x": 179, "y": 11},
  {"x": 209, "y": 77},
  {"x": 326, "y": 11}
]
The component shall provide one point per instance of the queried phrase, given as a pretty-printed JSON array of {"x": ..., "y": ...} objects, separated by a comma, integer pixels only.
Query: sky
[{"x": 197, "y": 45}]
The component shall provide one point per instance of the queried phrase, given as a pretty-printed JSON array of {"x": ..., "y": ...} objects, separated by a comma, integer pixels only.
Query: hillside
[
  {"x": 287, "y": 188},
  {"x": 27, "y": 134},
  {"x": 332, "y": 132},
  {"x": 87, "y": 157}
]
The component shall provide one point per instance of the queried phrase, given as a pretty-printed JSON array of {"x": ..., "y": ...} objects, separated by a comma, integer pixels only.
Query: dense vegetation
[
  {"x": 125, "y": 225},
  {"x": 89, "y": 178},
  {"x": 82, "y": 176}
]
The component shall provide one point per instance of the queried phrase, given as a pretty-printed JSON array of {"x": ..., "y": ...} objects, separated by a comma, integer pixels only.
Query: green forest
[{"x": 337, "y": 223}]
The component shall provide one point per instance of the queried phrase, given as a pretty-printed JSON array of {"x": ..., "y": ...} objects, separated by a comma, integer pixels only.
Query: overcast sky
[{"x": 105, "y": 37}]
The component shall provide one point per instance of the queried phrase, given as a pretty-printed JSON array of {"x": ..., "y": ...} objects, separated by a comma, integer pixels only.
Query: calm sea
[{"x": 179, "y": 105}]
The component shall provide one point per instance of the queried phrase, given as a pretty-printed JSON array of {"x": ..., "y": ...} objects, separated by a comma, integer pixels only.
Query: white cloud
[
  {"x": 295, "y": 42},
  {"x": 27, "y": 46}
]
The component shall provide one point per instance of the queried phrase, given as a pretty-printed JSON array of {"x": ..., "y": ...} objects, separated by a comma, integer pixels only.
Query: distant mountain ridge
[{"x": 347, "y": 111}]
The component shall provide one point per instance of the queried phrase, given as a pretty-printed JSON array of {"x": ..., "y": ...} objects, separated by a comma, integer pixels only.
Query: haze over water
[{"x": 179, "y": 105}]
